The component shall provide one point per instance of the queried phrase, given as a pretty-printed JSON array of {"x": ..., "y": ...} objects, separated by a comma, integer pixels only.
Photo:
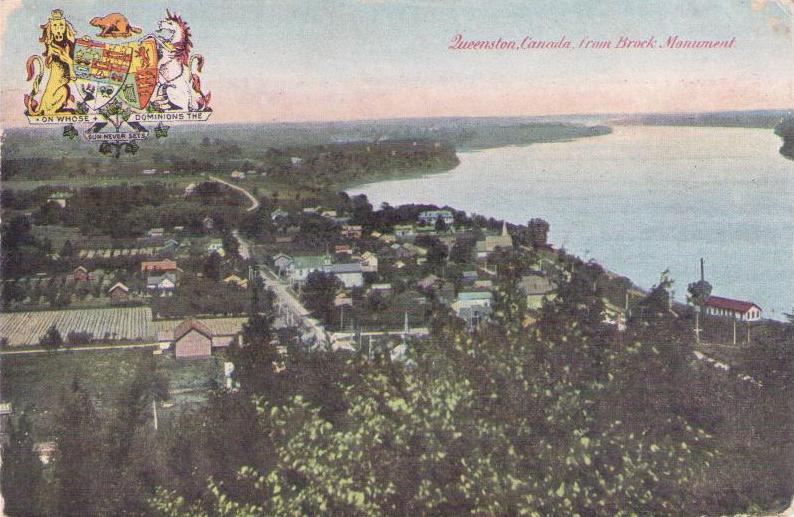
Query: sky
[{"x": 322, "y": 60}]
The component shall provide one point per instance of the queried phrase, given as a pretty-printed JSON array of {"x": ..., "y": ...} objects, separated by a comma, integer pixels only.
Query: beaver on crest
[{"x": 114, "y": 25}]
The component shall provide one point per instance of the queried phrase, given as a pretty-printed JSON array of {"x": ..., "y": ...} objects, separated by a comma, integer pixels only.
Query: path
[
  {"x": 254, "y": 200},
  {"x": 80, "y": 349}
]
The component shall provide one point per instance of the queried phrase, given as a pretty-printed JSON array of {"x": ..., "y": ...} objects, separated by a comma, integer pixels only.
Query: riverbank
[{"x": 641, "y": 200}]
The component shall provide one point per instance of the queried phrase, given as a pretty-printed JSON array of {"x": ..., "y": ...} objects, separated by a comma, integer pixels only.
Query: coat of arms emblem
[{"x": 112, "y": 83}]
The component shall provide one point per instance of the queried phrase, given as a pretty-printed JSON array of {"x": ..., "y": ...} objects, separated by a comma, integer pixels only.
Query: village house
[
  {"x": 161, "y": 285},
  {"x": 283, "y": 263},
  {"x": 59, "y": 198},
  {"x": 155, "y": 233},
  {"x": 429, "y": 217},
  {"x": 118, "y": 292},
  {"x": 192, "y": 339},
  {"x": 482, "y": 284},
  {"x": 208, "y": 222},
  {"x": 404, "y": 230},
  {"x": 388, "y": 238},
  {"x": 493, "y": 242},
  {"x": 343, "y": 249},
  {"x": 343, "y": 299},
  {"x": 170, "y": 246},
  {"x": 45, "y": 451},
  {"x": 148, "y": 172},
  {"x": 163, "y": 266},
  {"x": 414, "y": 250},
  {"x": 295, "y": 161},
  {"x": 190, "y": 189},
  {"x": 216, "y": 246},
  {"x": 473, "y": 306},
  {"x": 278, "y": 213},
  {"x": 537, "y": 289},
  {"x": 429, "y": 282},
  {"x": 304, "y": 265},
  {"x": 236, "y": 280},
  {"x": 381, "y": 289},
  {"x": 237, "y": 175},
  {"x": 80, "y": 274},
  {"x": 351, "y": 231},
  {"x": 470, "y": 276},
  {"x": 329, "y": 214},
  {"x": 369, "y": 262},
  {"x": 736, "y": 309},
  {"x": 349, "y": 274}
]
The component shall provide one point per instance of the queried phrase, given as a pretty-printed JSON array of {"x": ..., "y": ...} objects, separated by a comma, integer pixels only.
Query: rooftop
[{"x": 730, "y": 304}]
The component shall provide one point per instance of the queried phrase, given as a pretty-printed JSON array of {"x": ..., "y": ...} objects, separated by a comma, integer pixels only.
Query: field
[
  {"x": 38, "y": 382},
  {"x": 126, "y": 323}
]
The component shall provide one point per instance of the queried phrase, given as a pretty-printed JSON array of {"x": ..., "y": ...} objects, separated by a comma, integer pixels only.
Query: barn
[{"x": 192, "y": 339}]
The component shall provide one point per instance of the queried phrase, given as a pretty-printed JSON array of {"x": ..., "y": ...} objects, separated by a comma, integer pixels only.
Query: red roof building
[
  {"x": 738, "y": 309},
  {"x": 158, "y": 265}
]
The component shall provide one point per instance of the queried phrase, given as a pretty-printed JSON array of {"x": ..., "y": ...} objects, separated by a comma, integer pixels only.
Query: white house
[
  {"x": 431, "y": 216},
  {"x": 369, "y": 262},
  {"x": 161, "y": 285},
  {"x": 728, "y": 308},
  {"x": 349, "y": 274},
  {"x": 283, "y": 263},
  {"x": 302, "y": 266},
  {"x": 215, "y": 245},
  {"x": 473, "y": 306}
]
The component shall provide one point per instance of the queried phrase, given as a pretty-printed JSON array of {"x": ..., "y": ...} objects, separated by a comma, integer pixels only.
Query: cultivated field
[{"x": 126, "y": 323}]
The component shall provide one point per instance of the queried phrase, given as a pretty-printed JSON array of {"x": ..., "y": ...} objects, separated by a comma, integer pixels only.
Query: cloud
[{"x": 6, "y": 8}]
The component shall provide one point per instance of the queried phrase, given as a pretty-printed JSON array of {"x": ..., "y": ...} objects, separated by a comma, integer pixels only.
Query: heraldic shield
[
  {"x": 141, "y": 80},
  {"x": 100, "y": 69},
  {"x": 104, "y": 70}
]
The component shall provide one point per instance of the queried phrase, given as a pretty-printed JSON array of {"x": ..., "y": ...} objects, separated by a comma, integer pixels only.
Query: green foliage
[
  {"x": 79, "y": 464},
  {"x": 319, "y": 292},
  {"x": 22, "y": 481},
  {"x": 511, "y": 420},
  {"x": 51, "y": 340}
]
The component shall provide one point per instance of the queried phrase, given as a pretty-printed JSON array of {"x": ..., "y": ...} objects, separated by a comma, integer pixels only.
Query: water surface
[{"x": 642, "y": 200}]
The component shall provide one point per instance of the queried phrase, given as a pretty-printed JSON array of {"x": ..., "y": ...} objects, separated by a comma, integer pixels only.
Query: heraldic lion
[{"x": 58, "y": 38}]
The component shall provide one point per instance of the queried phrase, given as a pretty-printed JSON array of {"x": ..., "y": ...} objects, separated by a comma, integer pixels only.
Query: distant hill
[{"x": 752, "y": 119}]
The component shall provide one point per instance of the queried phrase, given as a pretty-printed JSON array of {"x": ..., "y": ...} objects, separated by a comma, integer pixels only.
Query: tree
[
  {"x": 441, "y": 225},
  {"x": 133, "y": 409},
  {"x": 67, "y": 251},
  {"x": 538, "y": 230},
  {"x": 319, "y": 293},
  {"x": 253, "y": 359},
  {"x": 212, "y": 267},
  {"x": 502, "y": 422},
  {"x": 22, "y": 472},
  {"x": 79, "y": 461},
  {"x": 51, "y": 340}
]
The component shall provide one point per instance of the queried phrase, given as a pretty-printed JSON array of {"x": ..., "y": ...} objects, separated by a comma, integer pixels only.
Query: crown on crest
[{"x": 56, "y": 14}]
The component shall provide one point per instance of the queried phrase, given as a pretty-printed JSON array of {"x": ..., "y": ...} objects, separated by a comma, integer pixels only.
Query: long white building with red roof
[{"x": 729, "y": 308}]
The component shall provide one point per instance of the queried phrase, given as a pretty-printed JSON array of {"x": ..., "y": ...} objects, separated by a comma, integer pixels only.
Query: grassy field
[{"x": 38, "y": 382}]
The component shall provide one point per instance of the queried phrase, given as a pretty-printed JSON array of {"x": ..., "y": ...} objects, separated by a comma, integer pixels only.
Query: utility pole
[
  {"x": 734, "y": 330},
  {"x": 154, "y": 410}
]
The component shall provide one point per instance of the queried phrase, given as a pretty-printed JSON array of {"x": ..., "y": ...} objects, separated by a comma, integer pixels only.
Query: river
[{"x": 641, "y": 200}]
